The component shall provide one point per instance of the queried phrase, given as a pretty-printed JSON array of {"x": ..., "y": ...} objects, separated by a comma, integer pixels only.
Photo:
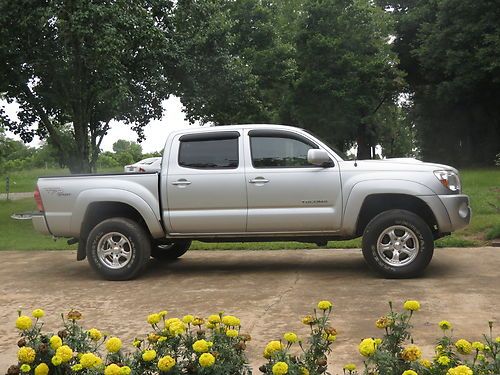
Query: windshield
[{"x": 337, "y": 151}]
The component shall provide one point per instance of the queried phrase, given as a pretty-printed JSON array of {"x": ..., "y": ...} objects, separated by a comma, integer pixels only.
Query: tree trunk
[{"x": 363, "y": 143}]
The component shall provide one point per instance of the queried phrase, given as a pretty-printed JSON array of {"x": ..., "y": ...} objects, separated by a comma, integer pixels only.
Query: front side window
[
  {"x": 280, "y": 151},
  {"x": 208, "y": 153}
]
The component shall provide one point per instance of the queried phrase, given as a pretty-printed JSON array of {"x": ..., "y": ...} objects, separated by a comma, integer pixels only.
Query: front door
[{"x": 285, "y": 193}]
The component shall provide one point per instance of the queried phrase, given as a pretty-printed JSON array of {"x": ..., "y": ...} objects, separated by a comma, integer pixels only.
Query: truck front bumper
[{"x": 458, "y": 209}]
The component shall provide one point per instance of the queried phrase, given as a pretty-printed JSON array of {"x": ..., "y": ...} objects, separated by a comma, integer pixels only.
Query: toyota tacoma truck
[{"x": 254, "y": 183}]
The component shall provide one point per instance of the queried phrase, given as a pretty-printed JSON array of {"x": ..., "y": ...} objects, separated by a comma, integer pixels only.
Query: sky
[{"x": 155, "y": 132}]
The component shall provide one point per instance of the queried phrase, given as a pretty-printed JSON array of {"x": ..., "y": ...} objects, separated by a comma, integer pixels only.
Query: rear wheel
[
  {"x": 164, "y": 251},
  {"x": 398, "y": 244},
  {"x": 118, "y": 248}
]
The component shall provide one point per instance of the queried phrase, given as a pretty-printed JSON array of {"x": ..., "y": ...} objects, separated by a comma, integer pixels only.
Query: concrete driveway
[{"x": 269, "y": 290}]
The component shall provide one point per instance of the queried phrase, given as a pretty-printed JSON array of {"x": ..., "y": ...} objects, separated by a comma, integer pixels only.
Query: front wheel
[
  {"x": 398, "y": 244},
  {"x": 118, "y": 248}
]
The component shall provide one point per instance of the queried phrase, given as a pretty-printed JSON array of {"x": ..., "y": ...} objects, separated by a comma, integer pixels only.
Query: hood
[{"x": 395, "y": 164}]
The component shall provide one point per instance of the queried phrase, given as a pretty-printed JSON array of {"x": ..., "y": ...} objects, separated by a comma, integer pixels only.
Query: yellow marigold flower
[
  {"x": 463, "y": 346},
  {"x": 56, "y": 360},
  {"x": 42, "y": 369},
  {"x": 411, "y": 305},
  {"x": 198, "y": 321},
  {"x": 153, "y": 337},
  {"x": 113, "y": 344},
  {"x": 188, "y": 319},
  {"x": 90, "y": 360},
  {"x": 125, "y": 370},
  {"x": 171, "y": 321},
  {"x": 55, "y": 342},
  {"x": 497, "y": 339},
  {"x": 166, "y": 363},
  {"x": 74, "y": 315},
  {"x": 331, "y": 338},
  {"x": 304, "y": 371},
  {"x": 25, "y": 368},
  {"x": 232, "y": 333},
  {"x": 272, "y": 347},
  {"x": 350, "y": 367},
  {"x": 409, "y": 372},
  {"x": 38, "y": 313},
  {"x": 149, "y": 355},
  {"x": 214, "y": 319},
  {"x": 480, "y": 357},
  {"x": 460, "y": 370},
  {"x": 444, "y": 325},
  {"x": 443, "y": 360},
  {"x": 377, "y": 341},
  {"x": 308, "y": 320},
  {"x": 65, "y": 353},
  {"x": 231, "y": 321},
  {"x": 325, "y": 305},
  {"x": 384, "y": 322},
  {"x": 136, "y": 343},
  {"x": 112, "y": 369},
  {"x": 411, "y": 353},
  {"x": 291, "y": 337},
  {"x": 426, "y": 363},
  {"x": 24, "y": 323},
  {"x": 94, "y": 334},
  {"x": 177, "y": 328},
  {"x": 163, "y": 313},
  {"x": 200, "y": 346},
  {"x": 280, "y": 368},
  {"x": 367, "y": 347},
  {"x": 77, "y": 367},
  {"x": 478, "y": 345},
  {"x": 26, "y": 354},
  {"x": 153, "y": 319},
  {"x": 206, "y": 360}
]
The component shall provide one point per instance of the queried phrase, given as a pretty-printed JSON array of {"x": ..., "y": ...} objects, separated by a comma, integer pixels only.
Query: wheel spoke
[
  {"x": 392, "y": 235},
  {"x": 122, "y": 242},
  {"x": 405, "y": 237}
]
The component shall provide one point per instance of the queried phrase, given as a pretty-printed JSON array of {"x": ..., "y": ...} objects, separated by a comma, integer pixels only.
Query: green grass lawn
[
  {"x": 482, "y": 185},
  {"x": 24, "y": 181}
]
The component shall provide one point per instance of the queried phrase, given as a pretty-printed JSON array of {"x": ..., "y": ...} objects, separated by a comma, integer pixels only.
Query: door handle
[
  {"x": 181, "y": 182},
  {"x": 258, "y": 180}
]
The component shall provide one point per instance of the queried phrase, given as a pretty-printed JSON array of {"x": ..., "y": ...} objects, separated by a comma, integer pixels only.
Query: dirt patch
[{"x": 269, "y": 290}]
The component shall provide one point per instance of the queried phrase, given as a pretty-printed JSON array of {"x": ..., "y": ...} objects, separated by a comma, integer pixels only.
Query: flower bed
[{"x": 216, "y": 346}]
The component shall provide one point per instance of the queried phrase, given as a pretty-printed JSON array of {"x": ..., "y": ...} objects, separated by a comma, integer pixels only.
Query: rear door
[
  {"x": 286, "y": 194},
  {"x": 206, "y": 189}
]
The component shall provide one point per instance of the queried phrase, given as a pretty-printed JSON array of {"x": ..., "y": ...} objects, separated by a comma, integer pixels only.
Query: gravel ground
[{"x": 269, "y": 290}]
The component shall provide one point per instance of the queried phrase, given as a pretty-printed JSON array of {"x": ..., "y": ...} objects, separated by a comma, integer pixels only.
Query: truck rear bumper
[{"x": 459, "y": 210}]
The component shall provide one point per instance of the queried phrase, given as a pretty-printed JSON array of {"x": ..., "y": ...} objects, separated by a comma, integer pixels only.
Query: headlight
[{"x": 449, "y": 180}]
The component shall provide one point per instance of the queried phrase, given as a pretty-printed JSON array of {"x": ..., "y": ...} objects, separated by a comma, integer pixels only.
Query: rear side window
[{"x": 209, "y": 152}]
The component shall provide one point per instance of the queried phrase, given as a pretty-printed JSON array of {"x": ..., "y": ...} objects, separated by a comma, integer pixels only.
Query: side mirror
[{"x": 319, "y": 158}]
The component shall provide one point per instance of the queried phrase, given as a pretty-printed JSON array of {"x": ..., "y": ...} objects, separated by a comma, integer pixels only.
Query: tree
[
  {"x": 133, "y": 149},
  {"x": 234, "y": 67},
  {"x": 450, "y": 51},
  {"x": 346, "y": 70},
  {"x": 83, "y": 63}
]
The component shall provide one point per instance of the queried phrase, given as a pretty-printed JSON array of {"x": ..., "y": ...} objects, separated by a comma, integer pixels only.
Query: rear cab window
[{"x": 214, "y": 150}]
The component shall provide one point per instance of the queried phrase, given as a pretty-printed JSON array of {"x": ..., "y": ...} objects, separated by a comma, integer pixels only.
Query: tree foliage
[
  {"x": 346, "y": 71},
  {"x": 450, "y": 51},
  {"x": 83, "y": 63}
]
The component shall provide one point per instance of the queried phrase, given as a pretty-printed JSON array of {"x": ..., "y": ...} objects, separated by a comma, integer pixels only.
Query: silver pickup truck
[{"x": 254, "y": 183}]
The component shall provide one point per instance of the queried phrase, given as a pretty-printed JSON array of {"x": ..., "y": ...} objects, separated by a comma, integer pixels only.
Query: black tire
[
  {"x": 130, "y": 252},
  {"x": 398, "y": 244},
  {"x": 165, "y": 251}
]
